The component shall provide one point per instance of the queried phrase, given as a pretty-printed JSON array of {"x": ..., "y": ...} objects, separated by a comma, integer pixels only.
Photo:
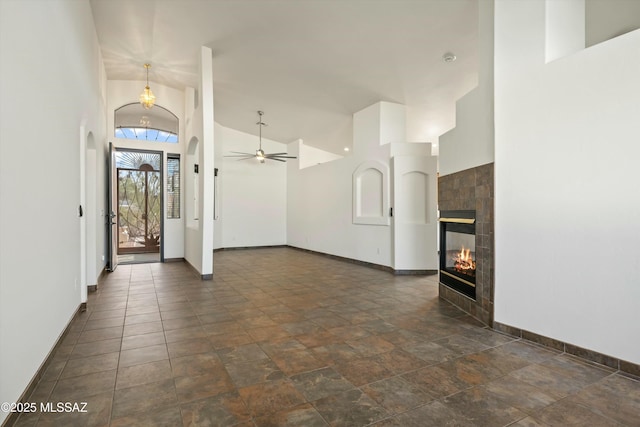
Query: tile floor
[{"x": 282, "y": 337}]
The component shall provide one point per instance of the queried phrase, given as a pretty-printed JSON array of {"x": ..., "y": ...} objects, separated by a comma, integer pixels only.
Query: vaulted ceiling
[{"x": 308, "y": 64}]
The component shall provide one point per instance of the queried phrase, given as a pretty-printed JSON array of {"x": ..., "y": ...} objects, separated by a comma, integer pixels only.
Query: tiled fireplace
[
  {"x": 465, "y": 201},
  {"x": 470, "y": 192}
]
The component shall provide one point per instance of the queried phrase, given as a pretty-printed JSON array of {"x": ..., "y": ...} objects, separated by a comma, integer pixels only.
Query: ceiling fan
[{"x": 260, "y": 154}]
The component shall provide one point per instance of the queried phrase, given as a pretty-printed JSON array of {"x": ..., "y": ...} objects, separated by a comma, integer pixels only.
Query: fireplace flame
[{"x": 464, "y": 262}]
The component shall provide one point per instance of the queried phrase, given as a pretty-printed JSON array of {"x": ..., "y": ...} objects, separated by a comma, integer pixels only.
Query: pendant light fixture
[{"x": 147, "y": 98}]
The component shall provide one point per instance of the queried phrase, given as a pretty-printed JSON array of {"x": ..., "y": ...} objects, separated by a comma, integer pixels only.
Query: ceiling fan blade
[
  {"x": 275, "y": 154},
  {"x": 247, "y": 158},
  {"x": 280, "y": 157},
  {"x": 275, "y": 158},
  {"x": 241, "y": 152},
  {"x": 241, "y": 155}
]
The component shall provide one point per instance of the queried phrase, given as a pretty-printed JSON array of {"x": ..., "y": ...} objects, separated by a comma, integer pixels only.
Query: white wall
[
  {"x": 95, "y": 139},
  {"x": 606, "y": 19},
  {"x": 94, "y": 203},
  {"x": 320, "y": 197},
  {"x": 199, "y": 127},
  {"x": 312, "y": 156},
  {"x": 193, "y": 138},
  {"x": 415, "y": 201},
  {"x": 566, "y": 188},
  {"x": 470, "y": 143},
  {"x": 253, "y": 195},
  {"x": 51, "y": 85},
  {"x": 207, "y": 155},
  {"x": 121, "y": 92},
  {"x": 218, "y": 219}
]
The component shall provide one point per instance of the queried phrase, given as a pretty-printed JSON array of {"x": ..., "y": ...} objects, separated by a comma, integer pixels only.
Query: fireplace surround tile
[{"x": 472, "y": 189}]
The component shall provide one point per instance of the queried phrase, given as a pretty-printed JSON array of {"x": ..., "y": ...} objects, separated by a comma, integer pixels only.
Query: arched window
[{"x": 158, "y": 124}]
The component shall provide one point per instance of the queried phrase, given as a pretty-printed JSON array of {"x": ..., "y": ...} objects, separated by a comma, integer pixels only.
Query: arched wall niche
[{"x": 371, "y": 193}]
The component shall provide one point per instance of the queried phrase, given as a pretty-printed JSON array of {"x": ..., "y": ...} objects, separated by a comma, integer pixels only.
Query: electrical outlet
[{"x": 102, "y": 257}]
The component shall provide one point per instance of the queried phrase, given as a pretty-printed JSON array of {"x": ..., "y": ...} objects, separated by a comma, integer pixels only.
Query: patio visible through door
[{"x": 139, "y": 204}]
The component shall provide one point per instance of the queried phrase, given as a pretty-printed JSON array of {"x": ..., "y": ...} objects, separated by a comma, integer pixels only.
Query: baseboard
[
  {"x": 415, "y": 272},
  {"x": 12, "y": 418},
  {"x": 241, "y": 248},
  {"x": 174, "y": 260},
  {"x": 103, "y": 273},
  {"x": 369, "y": 264},
  {"x": 345, "y": 259},
  {"x": 195, "y": 270},
  {"x": 626, "y": 368}
]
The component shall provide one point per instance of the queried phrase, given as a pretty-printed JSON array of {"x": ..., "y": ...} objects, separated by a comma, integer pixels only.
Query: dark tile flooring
[{"x": 282, "y": 337}]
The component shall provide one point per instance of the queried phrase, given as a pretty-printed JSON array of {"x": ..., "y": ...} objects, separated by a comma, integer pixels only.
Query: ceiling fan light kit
[{"x": 260, "y": 154}]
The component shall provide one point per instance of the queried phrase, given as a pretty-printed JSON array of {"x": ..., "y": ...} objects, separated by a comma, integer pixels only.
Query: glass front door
[{"x": 139, "y": 203}]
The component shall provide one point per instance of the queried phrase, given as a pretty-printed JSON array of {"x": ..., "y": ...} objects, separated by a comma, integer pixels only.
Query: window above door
[{"x": 158, "y": 124}]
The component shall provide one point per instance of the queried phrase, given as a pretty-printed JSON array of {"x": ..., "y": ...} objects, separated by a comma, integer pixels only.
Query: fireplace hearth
[{"x": 458, "y": 251}]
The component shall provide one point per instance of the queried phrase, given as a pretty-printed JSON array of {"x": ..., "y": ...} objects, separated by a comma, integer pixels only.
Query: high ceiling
[{"x": 308, "y": 64}]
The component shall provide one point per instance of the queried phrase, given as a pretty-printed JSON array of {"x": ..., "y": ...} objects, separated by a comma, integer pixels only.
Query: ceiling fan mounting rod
[{"x": 260, "y": 124}]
